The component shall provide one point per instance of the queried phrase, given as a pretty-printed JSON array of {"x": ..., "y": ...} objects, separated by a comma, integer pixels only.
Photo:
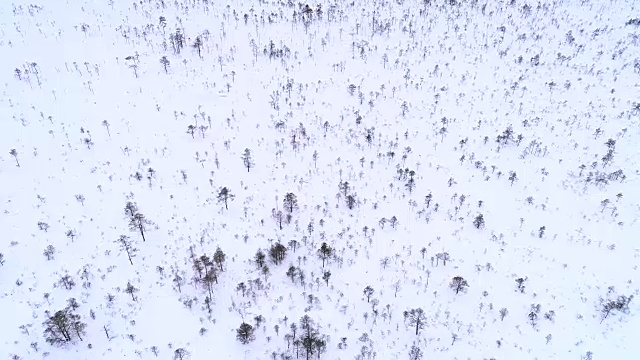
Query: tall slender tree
[
  {"x": 247, "y": 159},
  {"x": 126, "y": 244},
  {"x": 139, "y": 223}
]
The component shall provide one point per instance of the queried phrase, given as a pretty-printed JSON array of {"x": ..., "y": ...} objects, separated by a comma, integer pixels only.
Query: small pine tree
[
  {"x": 325, "y": 252},
  {"x": 49, "y": 252},
  {"x": 259, "y": 258},
  {"x": 368, "y": 291},
  {"x": 351, "y": 201},
  {"x": 242, "y": 287},
  {"x": 290, "y": 202},
  {"x": 165, "y": 63},
  {"x": 458, "y": 283},
  {"x": 325, "y": 276},
  {"x": 415, "y": 353},
  {"x": 292, "y": 272},
  {"x": 478, "y": 222},
  {"x": 219, "y": 258},
  {"x": 179, "y": 282},
  {"x": 180, "y": 354},
  {"x": 67, "y": 282},
  {"x": 130, "y": 210},
  {"x": 503, "y": 313},
  {"x": 416, "y": 318},
  {"x": 191, "y": 130},
  {"x": 393, "y": 221},
  {"x": 224, "y": 196},
  {"x": 245, "y": 333},
  {"x": 131, "y": 290}
]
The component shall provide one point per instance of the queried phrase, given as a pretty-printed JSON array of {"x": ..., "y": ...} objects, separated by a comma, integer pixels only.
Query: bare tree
[
  {"x": 278, "y": 216},
  {"x": 14, "y": 153},
  {"x": 396, "y": 288},
  {"x": 165, "y": 63}
]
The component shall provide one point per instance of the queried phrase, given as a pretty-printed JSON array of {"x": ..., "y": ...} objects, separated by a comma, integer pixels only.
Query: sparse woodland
[{"x": 201, "y": 179}]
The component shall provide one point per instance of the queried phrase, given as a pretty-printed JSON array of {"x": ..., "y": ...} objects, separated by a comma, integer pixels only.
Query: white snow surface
[{"x": 455, "y": 67}]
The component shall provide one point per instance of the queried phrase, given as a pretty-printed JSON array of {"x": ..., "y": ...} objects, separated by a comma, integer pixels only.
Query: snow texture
[{"x": 524, "y": 112}]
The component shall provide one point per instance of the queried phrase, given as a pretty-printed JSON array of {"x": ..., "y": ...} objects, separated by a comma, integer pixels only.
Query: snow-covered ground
[{"x": 504, "y": 109}]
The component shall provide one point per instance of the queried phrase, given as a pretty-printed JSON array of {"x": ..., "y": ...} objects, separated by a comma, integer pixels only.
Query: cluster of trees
[
  {"x": 621, "y": 303},
  {"x": 290, "y": 204},
  {"x": 206, "y": 271},
  {"x": 294, "y": 273},
  {"x": 349, "y": 198},
  {"x": 305, "y": 337},
  {"x": 64, "y": 326}
]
